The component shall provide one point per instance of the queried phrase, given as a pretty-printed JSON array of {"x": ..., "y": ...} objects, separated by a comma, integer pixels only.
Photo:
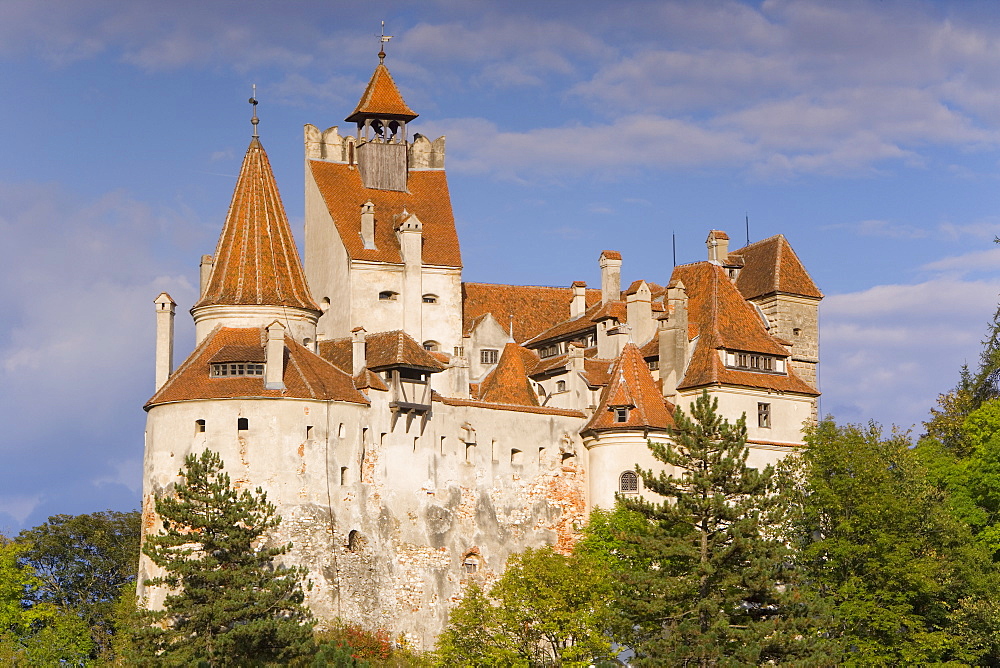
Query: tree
[
  {"x": 34, "y": 633},
  {"x": 546, "y": 609},
  {"x": 907, "y": 583},
  {"x": 82, "y": 562},
  {"x": 720, "y": 585},
  {"x": 228, "y": 602}
]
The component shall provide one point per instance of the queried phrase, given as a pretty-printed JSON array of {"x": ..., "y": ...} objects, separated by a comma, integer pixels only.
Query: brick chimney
[{"x": 718, "y": 246}]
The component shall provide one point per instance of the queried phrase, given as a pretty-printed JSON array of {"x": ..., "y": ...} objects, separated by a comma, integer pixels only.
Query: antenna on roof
[
  {"x": 673, "y": 239},
  {"x": 383, "y": 40},
  {"x": 254, "y": 121},
  {"x": 748, "y": 227}
]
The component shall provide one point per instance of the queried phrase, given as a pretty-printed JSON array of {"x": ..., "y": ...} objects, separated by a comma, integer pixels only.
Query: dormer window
[
  {"x": 549, "y": 351},
  {"x": 755, "y": 362},
  {"x": 235, "y": 369},
  {"x": 621, "y": 413},
  {"x": 388, "y": 296}
]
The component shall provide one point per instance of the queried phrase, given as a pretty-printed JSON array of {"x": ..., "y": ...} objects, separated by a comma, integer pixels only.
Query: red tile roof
[
  {"x": 508, "y": 382},
  {"x": 382, "y": 350},
  {"x": 722, "y": 319},
  {"x": 535, "y": 308},
  {"x": 369, "y": 380},
  {"x": 771, "y": 266},
  {"x": 614, "y": 309},
  {"x": 631, "y": 385},
  {"x": 611, "y": 255},
  {"x": 427, "y": 196},
  {"x": 381, "y": 99},
  {"x": 306, "y": 375},
  {"x": 256, "y": 261},
  {"x": 597, "y": 371}
]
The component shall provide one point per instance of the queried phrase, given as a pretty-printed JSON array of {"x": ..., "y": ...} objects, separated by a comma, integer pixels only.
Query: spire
[
  {"x": 381, "y": 99},
  {"x": 256, "y": 262},
  {"x": 508, "y": 383},
  {"x": 630, "y": 400}
]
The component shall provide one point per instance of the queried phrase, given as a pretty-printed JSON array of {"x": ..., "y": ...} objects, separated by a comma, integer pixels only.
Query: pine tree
[
  {"x": 229, "y": 603},
  {"x": 720, "y": 585}
]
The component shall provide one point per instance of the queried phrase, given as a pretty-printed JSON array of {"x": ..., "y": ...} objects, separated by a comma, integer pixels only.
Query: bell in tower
[{"x": 381, "y": 116}]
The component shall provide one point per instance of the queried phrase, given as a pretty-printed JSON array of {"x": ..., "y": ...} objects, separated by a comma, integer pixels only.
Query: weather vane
[
  {"x": 383, "y": 40},
  {"x": 254, "y": 121}
]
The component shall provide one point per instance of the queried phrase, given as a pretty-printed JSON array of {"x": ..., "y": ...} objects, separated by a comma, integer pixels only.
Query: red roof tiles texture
[
  {"x": 770, "y": 266},
  {"x": 427, "y": 196},
  {"x": 306, "y": 375},
  {"x": 508, "y": 382},
  {"x": 535, "y": 308},
  {"x": 382, "y": 350},
  {"x": 631, "y": 385},
  {"x": 256, "y": 261},
  {"x": 381, "y": 99}
]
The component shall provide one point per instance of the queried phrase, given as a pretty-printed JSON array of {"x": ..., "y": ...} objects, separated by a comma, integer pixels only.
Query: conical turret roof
[
  {"x": 631, "y": 386},
  {"x": 256, "y": 262},
  {"x": 381, "y": 99}
]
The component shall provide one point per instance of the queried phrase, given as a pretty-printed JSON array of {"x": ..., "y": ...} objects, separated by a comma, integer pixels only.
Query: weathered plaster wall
[{"x": 326, "y": 265}]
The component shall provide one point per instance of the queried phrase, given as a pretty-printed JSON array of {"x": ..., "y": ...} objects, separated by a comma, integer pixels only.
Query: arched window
[
  {"x": 471, "y": 563},
  {"x": 355, "y": 541},
  {"x": 430, "y": 299},
  {"x": 432, "y": 346},
  {"x": 387, "y": 296},
  {"x": 560, "y": 386},
  {"x": 628, "y": 483}
]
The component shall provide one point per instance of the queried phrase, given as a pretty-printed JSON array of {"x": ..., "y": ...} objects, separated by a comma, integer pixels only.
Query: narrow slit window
[
  {"x": 343, "y": 475},
  {"x": 309, "y": 433}
]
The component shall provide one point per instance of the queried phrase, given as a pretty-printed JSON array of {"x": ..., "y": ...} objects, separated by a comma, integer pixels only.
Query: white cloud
[
  {"x": 977, "y": 260},
  {"x": 19, "y": 507},
  {"x": 891, "y": 349}
]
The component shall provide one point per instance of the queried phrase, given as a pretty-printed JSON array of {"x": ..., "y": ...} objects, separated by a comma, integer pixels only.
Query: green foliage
[
  {"x": 907, "y": 583},
  {"x": 229, "y": 603},
  {"x": 82, "y": 562},
  {"x": 546, "y": 609},
  {"x": 719, "y": 586},
  {"x": 18, "y": 584}
]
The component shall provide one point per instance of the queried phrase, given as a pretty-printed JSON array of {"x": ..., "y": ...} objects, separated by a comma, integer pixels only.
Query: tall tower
[{"x": 381, "y": 248}]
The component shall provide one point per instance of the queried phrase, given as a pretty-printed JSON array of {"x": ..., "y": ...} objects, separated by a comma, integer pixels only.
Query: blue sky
[{"x": 866, "y": 132}]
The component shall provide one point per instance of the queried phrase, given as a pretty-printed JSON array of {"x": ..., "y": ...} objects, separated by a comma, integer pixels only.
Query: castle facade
[{"x": 415, "y": 430}]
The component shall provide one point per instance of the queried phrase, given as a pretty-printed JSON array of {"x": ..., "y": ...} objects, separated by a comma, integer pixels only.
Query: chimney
[
  {"x": 207, "y": 262},
  {"x": 673, "y": 338},
  {"x": 639, "y": 312},
  {"x": 718, "y": 246},
  {"x": 575, "y": 355},
  {"x": 611, "y": 276},
  {"x": 460, "y": 376},
  {"x": 368, "y": 225},
  {"x": 410, "y": 231},
  {"x": 274, "y": 373},
  {"x": 358, "y": 351},
  {"x": 164, "y": 338},
  {"x": 579, "y": 303}
]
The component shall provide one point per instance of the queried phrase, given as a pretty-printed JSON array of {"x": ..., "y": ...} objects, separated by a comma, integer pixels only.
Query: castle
[{"x": 414, "y": 430}]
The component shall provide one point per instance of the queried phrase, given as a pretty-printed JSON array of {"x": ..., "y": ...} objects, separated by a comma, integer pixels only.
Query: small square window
[
  {"x": 764, "y": 416},
  {"x": 242, "y": 424},
  {"x": 489, "y": 356},
  {"x": 199, "y": 426},
  {"x": 621, "y": 414}
]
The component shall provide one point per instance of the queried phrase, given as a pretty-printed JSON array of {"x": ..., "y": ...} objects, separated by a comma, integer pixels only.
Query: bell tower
[{"x": 381, "y": 117}]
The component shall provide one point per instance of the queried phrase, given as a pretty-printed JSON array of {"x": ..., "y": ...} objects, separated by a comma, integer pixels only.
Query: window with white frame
[
  {"x": 628, "y": 482},
  {"x": 489, "y": 356}
]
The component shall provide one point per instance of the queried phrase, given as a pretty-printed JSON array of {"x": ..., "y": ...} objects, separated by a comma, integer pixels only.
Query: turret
[{"x": 256, "y": 276}]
